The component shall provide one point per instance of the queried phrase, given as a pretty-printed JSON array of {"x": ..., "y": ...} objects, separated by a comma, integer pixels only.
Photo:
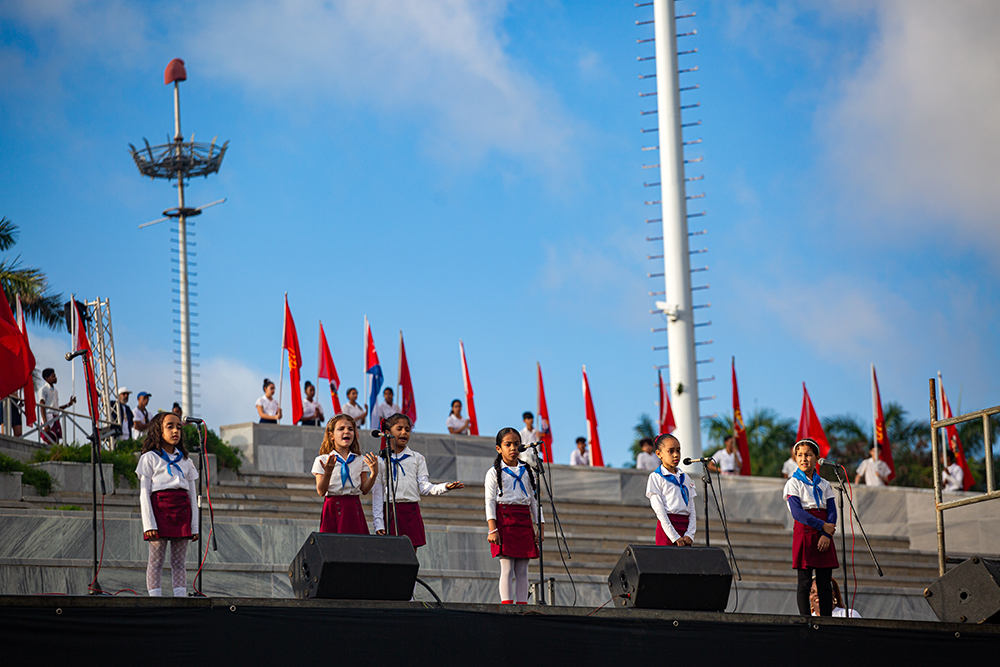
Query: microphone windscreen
[{"x": 687, "y": 461}]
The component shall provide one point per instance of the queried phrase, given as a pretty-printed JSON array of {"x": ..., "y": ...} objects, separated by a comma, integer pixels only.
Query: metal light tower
[
  {"x": 677, "y": 306},
  {"x": 179, "y": 160}
]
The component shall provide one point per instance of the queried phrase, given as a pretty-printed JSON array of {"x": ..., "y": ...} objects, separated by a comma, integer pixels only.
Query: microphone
[
  {"x": 381, "y": 434},
  {"x": 193, "y": 420},
  {"x": 704, "y": 459},
  {"x": 70, "y": 356},
  {"x": 828, "y": 462},
  {"x": 523, "y": 448}
]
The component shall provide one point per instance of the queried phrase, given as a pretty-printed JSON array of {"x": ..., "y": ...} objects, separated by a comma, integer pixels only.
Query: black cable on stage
[
  {"x": 431, "y": 590},
  {"x": 559, "y": 531}
]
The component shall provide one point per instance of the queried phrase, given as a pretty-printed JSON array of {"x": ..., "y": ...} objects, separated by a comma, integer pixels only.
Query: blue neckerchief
[
  {"x": 682, "y": 484},
  {"x": 345, "y": 472},
  {"x": 517, "y": 478},
  {"x": 172, "y": 462},
  {"x": 814, "y": 483},
  {"x": 397, "y": 465}
]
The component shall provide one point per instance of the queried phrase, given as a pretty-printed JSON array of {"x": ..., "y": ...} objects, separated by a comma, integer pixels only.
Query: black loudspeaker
[
  {"x": 969, "y": 593},
  {"x": 354, "y": 567},
  {"x": 688, "y": 578}
]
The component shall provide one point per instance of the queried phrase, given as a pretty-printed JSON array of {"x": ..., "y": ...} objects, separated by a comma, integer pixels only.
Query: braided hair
[{"x": 499, "y": 459}]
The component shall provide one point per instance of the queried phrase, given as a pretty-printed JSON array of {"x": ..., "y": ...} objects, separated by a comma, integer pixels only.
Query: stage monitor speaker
[
  {"x": 686, "y": 578},
  {"x": 354, "y": 567},
  {"x": 969, "y": 593}
]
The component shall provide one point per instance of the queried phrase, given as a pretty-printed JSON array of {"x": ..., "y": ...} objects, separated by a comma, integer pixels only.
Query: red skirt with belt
[
  {"x": 680, "y": 524},
  {"x": 343, "y": 514},
  {"x": 805, "y": 552},
  {"x": 172, "y": 511},
  {"x": 410, "y": 522},
  {"x": 517, "y": 533}
]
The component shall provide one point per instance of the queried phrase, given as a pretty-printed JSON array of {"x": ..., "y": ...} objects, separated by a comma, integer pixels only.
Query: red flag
[
  {"x": 596, "y": 459},
  {"x": 543, "y": 419},
  {"x": 955, "y": 444},
  {"x": 881, "y": 437},
  {"x": 810, "y": 426},
  {"x": 16, "y": 363},
  {"x": 81, "y": 342},
  {"x": 328, "y": 370},
  {"x": 470, "y": 403},
  {"x": 739, "y": 428},
  {"x": 290, "y": 342},
  {"x": 667, "y": 422},
  {"x": 29, "y": 386},
  {"x": 406, "y": 400}
]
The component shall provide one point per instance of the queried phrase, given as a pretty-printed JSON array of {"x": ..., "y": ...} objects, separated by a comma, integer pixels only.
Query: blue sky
[{"x": 473, "y": 171}]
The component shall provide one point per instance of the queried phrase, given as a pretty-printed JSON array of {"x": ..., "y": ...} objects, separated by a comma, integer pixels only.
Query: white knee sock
[
  {"x": 506, "y": 578},
  {"x": 521, "y": 580}
]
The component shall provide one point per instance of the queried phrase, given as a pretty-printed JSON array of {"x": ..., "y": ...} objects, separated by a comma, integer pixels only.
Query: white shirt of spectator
[
  {"x": 512, "y": 493},
  {"x": 454, "y": 422},
  {"x": 384, "y": 411},
  {"x": 646, "y": 461},
  {"x": 726, "y": 461},
  {"x": 529, "y": 436},
  {"x": 953, "y": 477},
  {"x": 355, "y": 468},
  {"x": 789, "y": 468},
  {"x": 578, "y": 459},
  {"x": 139, "y": 418},
  {"x": 50, "y": 396},
  {"x": 411, "y": 481},
  {"x": 873, "y": 472},
  {"x": 268, "y": 405},
  {"x": 354, "y": 411},
  {"x": 310, "y": 408}
]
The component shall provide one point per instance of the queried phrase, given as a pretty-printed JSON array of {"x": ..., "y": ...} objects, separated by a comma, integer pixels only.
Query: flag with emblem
[
  {"x": 739, "y": 428},
  {"x": 290, "y": 343}
]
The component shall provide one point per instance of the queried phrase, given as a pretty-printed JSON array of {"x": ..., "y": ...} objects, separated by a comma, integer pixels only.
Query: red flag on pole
[
  {"x": 469, "y": 400},
  {"x": 16, "y": 362},
  {"x": 406, "y": 401},
  {"x": 881, "y": 437},
  {"x": 328, "y": 371},
  {"x": 543, "y": 419},
  {"x": 290, "y": 342},
  {"x": 954, "y": 444},
  {"x": 83, "y": 343},
  {"x": 596, "y": 459},
  {"x": 739, "y": 428},
  {"x": 667, "y": 422},
  {"x": 29, "y": 386},
  {"x": 810, "y": 426}
]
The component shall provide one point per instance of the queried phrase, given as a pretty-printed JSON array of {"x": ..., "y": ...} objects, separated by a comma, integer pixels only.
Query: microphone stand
[
  {"x": 389, "y": 485},
  {"x": 202, "y": 455},
  {"x": 540, "y": 591},
  {"x": 842, "y": 483},
  {"x": 706, "y": 479}
]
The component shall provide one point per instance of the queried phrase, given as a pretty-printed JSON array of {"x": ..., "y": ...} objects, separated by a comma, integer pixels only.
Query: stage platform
[{"x": 256, "y": 631}]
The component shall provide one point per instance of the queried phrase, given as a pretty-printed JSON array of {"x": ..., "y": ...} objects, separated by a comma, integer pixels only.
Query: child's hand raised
[
  {"x": 372, "y": 462},
  {"x": 331, "y": 463},
  {"x": 456, "y": 485}
]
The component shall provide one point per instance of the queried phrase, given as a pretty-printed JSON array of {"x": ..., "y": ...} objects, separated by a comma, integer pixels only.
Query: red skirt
[
  {"x": 410, "y": 522},
  {"x": 343, "y": 514},
  {"x": 680, "y": 524},
  {"x": 172, "y": 511},
  {"x": 805, "y": 553},
  {"x": 517, "y": 534}
]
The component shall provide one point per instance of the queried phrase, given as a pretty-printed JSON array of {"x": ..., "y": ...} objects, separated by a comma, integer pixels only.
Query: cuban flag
[{"x": 373, "y": 368}]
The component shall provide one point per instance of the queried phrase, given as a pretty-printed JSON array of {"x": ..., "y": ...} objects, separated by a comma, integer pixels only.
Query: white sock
[
  {"x": 155, "y": 592},
  {"x": 180, "y": 592}
]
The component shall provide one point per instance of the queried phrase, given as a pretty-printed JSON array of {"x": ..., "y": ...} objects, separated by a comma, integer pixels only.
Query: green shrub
[
  {"x": 123, "y": 461},
  {"x": 41, "y": 480},
  {"x": 70, "y": 508}
]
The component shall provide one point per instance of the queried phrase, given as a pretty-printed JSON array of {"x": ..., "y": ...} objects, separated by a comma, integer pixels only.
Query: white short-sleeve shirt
[
  {"x": 803, "y": 491},
  {"x": 454, "y": 422},
  {"x": 310, "y": 409},
  {"x": 789, "y": 467},
  {"x": 268, "y": 405},
  {"x": 513, "y": 493},
  {"x": 953, "y": 477},
  {"x": 725, "y": 460},
  {"x": 355, "y": 466},
  {"x": 578, "y": 459},
  {"x": 355, "y": 411},
  {"x": 646, "y": 461},
  {"x": 872, "y": 471}
]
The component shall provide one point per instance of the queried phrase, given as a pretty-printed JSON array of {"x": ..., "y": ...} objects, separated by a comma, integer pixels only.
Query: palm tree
[
  {"x": 769, "y": 438},
  {"x": 40, "y": 305},
  {"x": 644, "y": 428}
]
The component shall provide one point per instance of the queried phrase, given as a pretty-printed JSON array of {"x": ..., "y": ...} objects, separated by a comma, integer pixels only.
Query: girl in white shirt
[
  {"x": 168, "y": 501},
  {"x": 342, "y": 479},
  {"x": 457, "y": 425},
  {"x": 267, "y": 408},
  {"x": 312, "y": 411},
  {"x": 512, "y": 513},
  {"x": 671, "y": 494}
]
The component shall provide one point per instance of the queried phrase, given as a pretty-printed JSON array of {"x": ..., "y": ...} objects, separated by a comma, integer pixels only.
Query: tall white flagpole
[{"x": 281, "y": 366}]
